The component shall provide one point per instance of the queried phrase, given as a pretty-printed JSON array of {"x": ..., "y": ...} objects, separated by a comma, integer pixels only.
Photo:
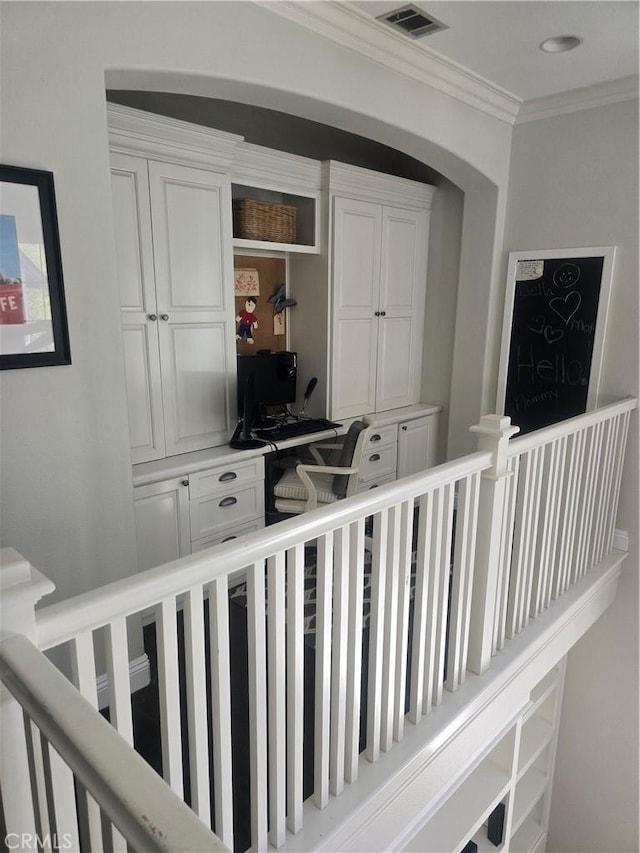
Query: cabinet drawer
[
  {"x": 227, "y": 535},
  {"x": 382, "y": 435},
  {"x": 217, "y": 512},
  {"x": 224, "y": 477},
  {"x": 373, "y": 484},
  {"x": 378, "y": 462}
]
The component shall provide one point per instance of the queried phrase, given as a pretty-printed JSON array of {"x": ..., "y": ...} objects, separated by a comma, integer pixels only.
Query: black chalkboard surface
[{"x": 554, "y": 305}]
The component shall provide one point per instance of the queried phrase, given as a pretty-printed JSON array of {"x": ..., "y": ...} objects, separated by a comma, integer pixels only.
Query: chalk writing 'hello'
[{"x": 558, "y": 369}]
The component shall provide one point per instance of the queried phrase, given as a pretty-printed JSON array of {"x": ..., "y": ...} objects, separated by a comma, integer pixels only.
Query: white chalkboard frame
[{"x": 608, "y": 254}]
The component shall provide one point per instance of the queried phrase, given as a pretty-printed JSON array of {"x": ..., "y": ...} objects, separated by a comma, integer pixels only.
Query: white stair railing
[{"x": 364, "y": 614}]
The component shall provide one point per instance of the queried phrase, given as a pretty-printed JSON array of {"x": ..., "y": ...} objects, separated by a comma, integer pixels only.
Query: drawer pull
[
  {"x": 374, "y": 457},
  {"x": 228, "y": 475},
  {"x": 229, "y": 538},
  {"x": 230, "y": 501},
  {"x": 375, "y": 437}
]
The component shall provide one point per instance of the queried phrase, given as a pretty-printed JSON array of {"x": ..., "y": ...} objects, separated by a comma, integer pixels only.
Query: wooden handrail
[{"x": 140, "y": 804}]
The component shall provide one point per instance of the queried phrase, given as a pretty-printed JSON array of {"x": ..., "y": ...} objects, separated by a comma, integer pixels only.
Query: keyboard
[{"x": 295, "y": 429}]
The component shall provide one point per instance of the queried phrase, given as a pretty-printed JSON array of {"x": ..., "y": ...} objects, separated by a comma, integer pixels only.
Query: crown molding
[
  {"x": 347, "y": 26},
  {"x": 612, "y": 92},
  {"x": 352, "y": 29}
]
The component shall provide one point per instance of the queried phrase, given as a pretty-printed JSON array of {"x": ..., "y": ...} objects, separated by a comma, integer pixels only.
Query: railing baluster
[
  {"x": 554, "y": 532},
  {"x": 197, "y": 703},
  {"x": 568, "y": 505},
  {"x": 615, "y": 497},
  {"x": 404, "y": 596},
  {"x": 257, "y": 671},
  {"x": 339, "y": 645},
  {"x": 277, "y": 691},
  {"x": 376, "y": 634},
  {"x": 604, "y": 491},
  {"x": 583, "y": 526},
  {"x": 295, "y": 686},
  {"x": 579, "y": 499},
  {"x": 420, "y": 608},
  {"x": 462, "y": 580},
  {"x": 446, "y": 497},
  {"x": 64, "y": 801},
  {"x": 324, "y": 585},
  {"x": 547, "y": 535},
  {"x": 354, "y": 652},
  {"x": 36, "y": 746},
  {"x": 119, "y": 695},
  {"x": 433, "y": 607},
  {"x": 505, "y": 559},
  {"x": 83, "y": 670},
  {"x": 218, "y": 592},
  {"x": 390, "y": 640},
  {"x": 169, "y": 694}
]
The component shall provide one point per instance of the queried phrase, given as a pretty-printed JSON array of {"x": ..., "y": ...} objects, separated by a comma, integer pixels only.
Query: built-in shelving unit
[
  {"x": 517, "y": 772},
  {"x": 306, "y": 238}
]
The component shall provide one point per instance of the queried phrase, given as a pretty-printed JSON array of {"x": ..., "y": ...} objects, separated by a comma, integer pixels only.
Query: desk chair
[{"x": 318, "y": 483}]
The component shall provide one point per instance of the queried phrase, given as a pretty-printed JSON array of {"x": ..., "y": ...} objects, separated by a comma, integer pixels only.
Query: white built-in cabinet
[
  {"x": 379, "y": 249},
  {"x": 379, "y": 285},
  {"x": 172, "y": 226}
]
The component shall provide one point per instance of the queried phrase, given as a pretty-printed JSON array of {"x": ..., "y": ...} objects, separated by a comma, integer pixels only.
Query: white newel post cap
[
  {"x": 21, "y": 588},
  {"x": 494, "y": 432}
]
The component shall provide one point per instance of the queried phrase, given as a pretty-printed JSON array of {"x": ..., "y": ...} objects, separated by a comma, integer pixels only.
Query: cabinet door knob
[
  {"x": 164, "y": 317},
  {"x": 185, "y": 482},
  {"x": 152, "y": 317},
  {"x": 383, "y": 313},
  {"x": 376, "y": 314},
  {"x": 230, "y": 501},
  {"x": 405, "y": 428}
]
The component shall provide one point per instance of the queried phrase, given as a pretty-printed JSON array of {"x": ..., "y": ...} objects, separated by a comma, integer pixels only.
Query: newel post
[
  {"x": 494, "y": 432},
  {"x": 21, "y": 587}
]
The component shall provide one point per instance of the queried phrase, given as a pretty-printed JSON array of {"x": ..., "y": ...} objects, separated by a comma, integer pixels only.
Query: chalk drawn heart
[
  {"x": 553, "y": 335},
  {"x": 566, "y": 306},
  {"x": 537, "y": 325}
]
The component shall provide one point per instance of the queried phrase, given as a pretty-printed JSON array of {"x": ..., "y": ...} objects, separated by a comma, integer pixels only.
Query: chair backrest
[{"x": 350, "y": 455}]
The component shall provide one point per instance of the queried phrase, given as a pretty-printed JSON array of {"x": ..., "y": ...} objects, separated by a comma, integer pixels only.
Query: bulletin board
[
  {"x": 552, "y": 343},
  {"x": 259, "y": 279}
]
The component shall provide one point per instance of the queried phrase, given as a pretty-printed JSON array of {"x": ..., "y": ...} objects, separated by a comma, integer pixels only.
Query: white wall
[
  {"x": 574, "y": 183},
  {"x": 66, "y": 491}
]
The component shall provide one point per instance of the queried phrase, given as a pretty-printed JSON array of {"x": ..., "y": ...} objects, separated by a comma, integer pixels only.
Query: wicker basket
[{"x": 264, "y": 220}]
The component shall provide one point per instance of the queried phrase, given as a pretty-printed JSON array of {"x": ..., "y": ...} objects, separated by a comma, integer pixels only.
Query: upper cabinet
[
  {"x": 175, "y": 274},
  {"x": 380, "y": 229}
]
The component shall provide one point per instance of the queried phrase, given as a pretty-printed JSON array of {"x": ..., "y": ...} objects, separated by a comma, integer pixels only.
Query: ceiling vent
[{"x": 411, "y": 21}]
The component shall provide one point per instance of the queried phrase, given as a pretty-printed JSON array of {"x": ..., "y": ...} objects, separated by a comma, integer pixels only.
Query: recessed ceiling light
[{"x": 558, "y": 44}]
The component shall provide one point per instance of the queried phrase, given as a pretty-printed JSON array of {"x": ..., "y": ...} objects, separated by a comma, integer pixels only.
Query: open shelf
[
  {"x": 527, "y": 838},
  {"x": 536, "y": 735},
  {"x": 306, "y": 238},
  {"x": 529, "y": 791}
]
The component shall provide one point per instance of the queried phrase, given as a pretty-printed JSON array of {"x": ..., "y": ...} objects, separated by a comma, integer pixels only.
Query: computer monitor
[{"x": 274, "y": 380}]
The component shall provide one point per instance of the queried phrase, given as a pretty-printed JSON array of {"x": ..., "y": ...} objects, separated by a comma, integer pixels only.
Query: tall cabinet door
[
  {"x": 403, "y": 279},
  {"x": 134, "y": 258},
  {"x": 357, "y": 228},
  {"x": 191, "y": 213}
]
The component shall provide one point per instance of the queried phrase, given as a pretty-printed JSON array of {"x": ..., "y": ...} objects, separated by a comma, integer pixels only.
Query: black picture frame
[{"x": 33, "y": 314}]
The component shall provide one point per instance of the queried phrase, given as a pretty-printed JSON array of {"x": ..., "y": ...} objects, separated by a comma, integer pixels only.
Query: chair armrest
[
  {"x": 304, "y": 472},
  {"x": 314, "y": 450}
]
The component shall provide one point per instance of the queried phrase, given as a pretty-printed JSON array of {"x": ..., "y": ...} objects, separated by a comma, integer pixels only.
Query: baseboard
[
  {"x": 139, "y": 677},
  {"x": 621, "y": 540}
]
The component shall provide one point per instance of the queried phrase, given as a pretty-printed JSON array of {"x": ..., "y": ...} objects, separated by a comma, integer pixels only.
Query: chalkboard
[{"x": 555, "y": 314}]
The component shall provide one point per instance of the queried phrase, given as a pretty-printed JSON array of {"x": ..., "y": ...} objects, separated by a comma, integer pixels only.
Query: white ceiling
[{"x": 498, "y": 40}]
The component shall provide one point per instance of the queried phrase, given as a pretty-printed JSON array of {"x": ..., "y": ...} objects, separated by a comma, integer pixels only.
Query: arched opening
[{"x": 459, "y": 357}]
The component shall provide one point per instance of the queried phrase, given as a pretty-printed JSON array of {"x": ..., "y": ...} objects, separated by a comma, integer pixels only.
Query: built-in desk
[{"x": 192, "y": 501}]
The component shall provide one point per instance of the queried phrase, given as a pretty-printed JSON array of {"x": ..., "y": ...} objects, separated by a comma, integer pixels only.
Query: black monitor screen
[{"x": 274, "y": 378}]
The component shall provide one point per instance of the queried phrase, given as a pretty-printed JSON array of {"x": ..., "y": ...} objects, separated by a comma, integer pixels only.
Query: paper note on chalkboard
[
  {"x": 527, "y": 270},
  {"x": 555, "y": 316}
]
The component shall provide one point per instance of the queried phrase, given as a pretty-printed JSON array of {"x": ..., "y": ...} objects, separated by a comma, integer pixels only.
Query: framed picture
[
  {"x": 33, "y": 317},
  {"x": 555, "y": 316}
]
